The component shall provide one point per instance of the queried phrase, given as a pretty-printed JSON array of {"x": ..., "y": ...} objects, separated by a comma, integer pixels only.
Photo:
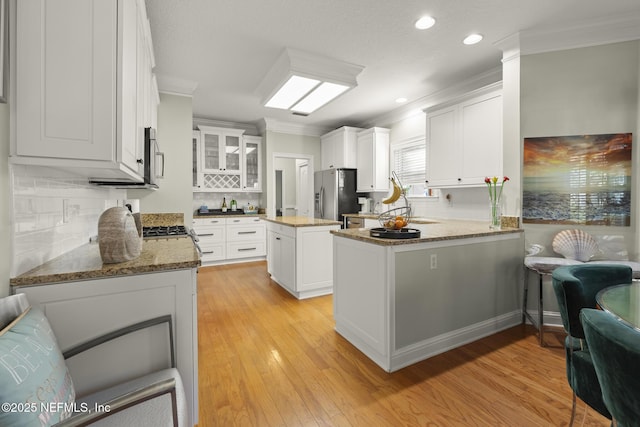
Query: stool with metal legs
[{"x": 543, "y": 266}]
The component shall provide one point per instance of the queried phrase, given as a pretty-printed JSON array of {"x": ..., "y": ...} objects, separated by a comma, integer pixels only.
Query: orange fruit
[{"x": 399, "y": 224}]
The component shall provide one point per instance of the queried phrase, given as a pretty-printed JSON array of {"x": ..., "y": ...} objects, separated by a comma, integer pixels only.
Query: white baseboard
[{"x": 442, "y": 343}]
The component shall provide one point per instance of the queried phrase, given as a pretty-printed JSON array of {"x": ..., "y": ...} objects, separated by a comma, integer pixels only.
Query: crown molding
[
  {"x": 487, "y": 80},
  {"x": 275, "y": 125},
  {"x": 249, "y": 128},
  {"x": 176, "y": 86},
  {"x": 583, "y": 34}
]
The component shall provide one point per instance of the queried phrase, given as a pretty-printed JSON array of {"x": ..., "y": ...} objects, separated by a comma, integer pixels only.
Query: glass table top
[{"x": 623, "y": 301}]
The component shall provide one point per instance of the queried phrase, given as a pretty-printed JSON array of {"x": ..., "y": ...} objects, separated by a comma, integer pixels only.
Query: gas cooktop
[{"x": 164, "y": 231}]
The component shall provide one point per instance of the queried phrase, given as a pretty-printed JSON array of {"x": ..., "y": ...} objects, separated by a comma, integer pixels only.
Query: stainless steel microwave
[{"x": 153, "y": 165}]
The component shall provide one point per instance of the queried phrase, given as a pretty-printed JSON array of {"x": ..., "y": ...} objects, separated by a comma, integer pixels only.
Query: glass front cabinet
[
  {"x": 226, "y": 160},
  {"x": 251, "y": 162}
]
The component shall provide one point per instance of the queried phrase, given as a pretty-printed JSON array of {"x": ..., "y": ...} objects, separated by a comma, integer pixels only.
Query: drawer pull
[
  {"x": 247, "y": 232},
  {"x": 214, "y": 222},
  {"x": 207, "y": 252},
  {"x": 203, "y": 235},
  {"x": 246, "y": 249},
  {"x": 236, "y": 220}
]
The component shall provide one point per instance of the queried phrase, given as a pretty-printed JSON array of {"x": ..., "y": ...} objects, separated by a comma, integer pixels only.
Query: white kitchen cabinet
[
  {"x": 280, "y": 262},
  {"x": 246, "y": 238},
  {"x": 300, "y": 259},
  {"x": 373, "y": 160},
  {"x": 339, "y": 148},
  {"x": 220, "y": 158},
  {"x": 195, "y": 156},
  {"x": 251, "y": 163},
  {"x": 211, "y": 238},
  {"x": 464, "y": 141},
  {"x": 81, "y": 310},
  {"x": 83, "y": 113},
  {"x": 232, "y": 239}
]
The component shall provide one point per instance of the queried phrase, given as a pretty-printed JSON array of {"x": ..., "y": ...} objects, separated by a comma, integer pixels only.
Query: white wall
[
  {"x": 174, "y": 133},
  {"x": 5, "y": 228},
  {"x": 591, "y": 90}
]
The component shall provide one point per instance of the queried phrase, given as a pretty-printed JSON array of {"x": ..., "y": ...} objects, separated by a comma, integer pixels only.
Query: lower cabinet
[
  {"x": 79, "y": 311},
  {"x": 233, "y": 239},
  {"x": 300, "y": 259}
]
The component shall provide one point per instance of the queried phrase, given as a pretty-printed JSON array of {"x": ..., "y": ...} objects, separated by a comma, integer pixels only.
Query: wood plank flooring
[{"x": 267, "y": 359}]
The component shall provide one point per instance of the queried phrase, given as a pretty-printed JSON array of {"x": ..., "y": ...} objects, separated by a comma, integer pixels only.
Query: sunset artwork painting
[{"x": 581, "y": 180}]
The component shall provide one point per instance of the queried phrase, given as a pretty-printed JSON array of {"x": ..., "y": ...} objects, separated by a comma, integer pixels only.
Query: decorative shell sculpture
[
  {"x": 575, "y": 244},
  {"x": 119, "y": 238}
]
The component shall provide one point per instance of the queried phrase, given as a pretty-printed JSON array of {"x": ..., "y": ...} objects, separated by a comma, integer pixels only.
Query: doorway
[{"x": 292, "y": 183}]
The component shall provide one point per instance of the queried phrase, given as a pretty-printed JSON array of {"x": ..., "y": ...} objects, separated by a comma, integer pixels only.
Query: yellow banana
[{"x": 397, "y": 191}]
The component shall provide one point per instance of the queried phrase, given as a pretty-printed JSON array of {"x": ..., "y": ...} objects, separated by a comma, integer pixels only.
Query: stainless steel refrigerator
[{"x": 335, "y": 193}]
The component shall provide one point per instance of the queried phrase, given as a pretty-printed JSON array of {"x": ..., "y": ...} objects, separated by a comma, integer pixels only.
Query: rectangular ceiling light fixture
[{"x": 303, "y": 82}]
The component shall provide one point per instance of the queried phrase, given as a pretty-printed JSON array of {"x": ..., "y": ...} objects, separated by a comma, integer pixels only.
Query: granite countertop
[
  {"x": 301, "y": 221},
  {"x": 84, "y": 263},
  {"x": 443, "y": 229}
]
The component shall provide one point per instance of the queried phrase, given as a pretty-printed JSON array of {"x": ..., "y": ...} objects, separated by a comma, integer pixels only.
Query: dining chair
[
  {"x": 36, "y": 387},
  {"x": 615, "y": 349},
  {"x": 575, "y": 287}
]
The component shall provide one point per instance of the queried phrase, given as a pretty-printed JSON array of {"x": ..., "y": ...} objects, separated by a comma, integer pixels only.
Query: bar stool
[{"x": 543, "y": 266}]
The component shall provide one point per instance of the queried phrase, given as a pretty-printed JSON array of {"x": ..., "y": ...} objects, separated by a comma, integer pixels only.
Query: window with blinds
[{"x": 408, "y": 161}]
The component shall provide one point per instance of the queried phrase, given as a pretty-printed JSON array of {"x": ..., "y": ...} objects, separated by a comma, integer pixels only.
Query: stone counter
[
  {"x": 84, "y": 263},
  {"x": 431, "y": 231},
  {"x": 301, "y": 221}
]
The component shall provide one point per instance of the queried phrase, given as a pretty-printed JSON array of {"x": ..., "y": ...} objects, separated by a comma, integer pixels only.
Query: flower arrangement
[
  {"x": 492, "y": 184},
  {"x": 494, "y": 197}
]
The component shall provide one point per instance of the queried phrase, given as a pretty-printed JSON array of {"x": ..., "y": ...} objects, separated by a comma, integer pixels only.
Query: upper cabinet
[
  {"x": 464, "y": 141},
  {"x": 373, "y": 160},
  {"x": 226, "y": 160},
  {"x": 339, "y": 148},
  {"x": 84, "y": 86},
  {"x": 252, "y": 163}
]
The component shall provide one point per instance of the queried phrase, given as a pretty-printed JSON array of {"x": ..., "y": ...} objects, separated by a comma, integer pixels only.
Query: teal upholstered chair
[
  {"x": 576, "y": 287},
  {"x": 615, "y": 349}
]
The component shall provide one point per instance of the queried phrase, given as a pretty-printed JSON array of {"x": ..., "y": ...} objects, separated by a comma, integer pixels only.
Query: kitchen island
[
  {"x": 400, "y": 301},
  {"x": 299, "y": 254},
  {"x": 84, "y": 298}
]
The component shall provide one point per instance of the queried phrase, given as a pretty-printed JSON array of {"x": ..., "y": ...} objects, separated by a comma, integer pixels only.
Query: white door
[{"x": 303, "y": 192}]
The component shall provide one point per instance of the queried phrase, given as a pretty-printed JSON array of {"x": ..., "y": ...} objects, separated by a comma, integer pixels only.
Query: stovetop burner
[{"x": 164, "y": 231}]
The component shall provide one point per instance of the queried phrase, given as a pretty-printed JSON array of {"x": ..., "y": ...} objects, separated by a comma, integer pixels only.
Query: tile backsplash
[{"x": 52, "y": 213}]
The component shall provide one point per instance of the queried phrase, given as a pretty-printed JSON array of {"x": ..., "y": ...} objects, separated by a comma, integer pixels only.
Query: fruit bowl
[{"x": 395, "y": 219}]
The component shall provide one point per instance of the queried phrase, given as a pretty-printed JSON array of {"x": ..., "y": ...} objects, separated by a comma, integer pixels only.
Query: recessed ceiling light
[
  {"x": 425, "y": 22},
  {"x": 401, "y": 100},
  {"x": 472, "y": 39}
]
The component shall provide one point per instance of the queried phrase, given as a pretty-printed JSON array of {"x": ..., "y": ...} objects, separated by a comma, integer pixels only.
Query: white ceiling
[{"x": 227, "y": 46}]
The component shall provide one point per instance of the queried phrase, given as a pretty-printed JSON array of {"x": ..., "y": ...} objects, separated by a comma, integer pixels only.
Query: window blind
[{"x": 409, "y": 162}]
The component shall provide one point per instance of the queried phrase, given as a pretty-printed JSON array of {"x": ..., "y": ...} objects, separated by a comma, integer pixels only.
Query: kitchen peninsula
[
  {"x": 299, "y": 254},
  {"x": 400, "y": 301}
]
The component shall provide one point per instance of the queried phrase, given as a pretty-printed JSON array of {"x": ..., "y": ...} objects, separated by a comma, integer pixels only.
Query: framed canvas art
[{"x": 579, "y": 179}]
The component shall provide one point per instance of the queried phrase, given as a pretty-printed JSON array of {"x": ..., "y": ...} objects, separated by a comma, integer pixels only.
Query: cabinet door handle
[
  {"x": 247, "y": 232},
  {"x": 246, "y": 249},
  {"x": 459, "y": 179},
  {"x": 277, "y": 238}
]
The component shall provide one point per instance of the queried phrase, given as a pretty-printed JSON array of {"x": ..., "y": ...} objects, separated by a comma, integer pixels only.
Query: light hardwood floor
[{"x": 267, "y": 359}]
